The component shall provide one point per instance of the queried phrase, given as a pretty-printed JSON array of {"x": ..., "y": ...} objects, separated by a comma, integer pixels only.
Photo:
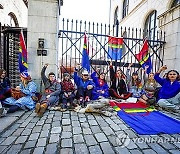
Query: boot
[
  {"x": 37, "y": 108},
  {"x": 42, "y": 110}
]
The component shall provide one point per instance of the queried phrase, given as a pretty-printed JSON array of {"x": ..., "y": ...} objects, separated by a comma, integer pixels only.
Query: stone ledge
[{"x": 9, "y": 120}]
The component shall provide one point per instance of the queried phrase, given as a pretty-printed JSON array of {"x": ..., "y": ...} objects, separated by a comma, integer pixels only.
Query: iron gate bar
[
  {"x": 154, "y": 52},
  {"x": 72, "y": 44},
  {"x": 163, "y": 42}
]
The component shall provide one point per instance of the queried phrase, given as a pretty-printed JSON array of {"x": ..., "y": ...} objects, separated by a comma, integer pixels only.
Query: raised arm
[
  {"x": 112, "y": 73},
  {"x": 43, "y": 76},
  {"x": 156, "y": 76}
]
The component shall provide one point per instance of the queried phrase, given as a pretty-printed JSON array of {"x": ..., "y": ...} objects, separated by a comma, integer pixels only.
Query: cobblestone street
[{"x": 70, "y": 132}]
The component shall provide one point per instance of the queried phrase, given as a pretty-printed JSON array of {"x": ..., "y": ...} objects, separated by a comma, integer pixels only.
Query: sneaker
[
  {"x": 3, "y": 112},
  {"x": 42, "y": 110},
  {"x": 81, "y": 100},
  {"x": 37, "y": 108}
]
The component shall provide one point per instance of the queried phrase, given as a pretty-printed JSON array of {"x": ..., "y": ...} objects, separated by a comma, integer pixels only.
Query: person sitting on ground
[
  {"x": 118, "y": 88},
  {"x": 50, "y": 97},
  {"x": 169, "y": 93},
  {"x": 5, "y": 85},
  {"x": 26, "y": 90},
  {"x": 102, "y": 89},
  {"x": 134, "y": 83},
  {"x": 84, "y": 87},
  {"x": 149, "y": 87},
  {"x": 68, "y": 90},
  {"x": 5, "y": 90}
]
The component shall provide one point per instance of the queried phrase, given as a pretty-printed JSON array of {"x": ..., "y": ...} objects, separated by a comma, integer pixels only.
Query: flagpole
[{"x": 117, "y": 31}]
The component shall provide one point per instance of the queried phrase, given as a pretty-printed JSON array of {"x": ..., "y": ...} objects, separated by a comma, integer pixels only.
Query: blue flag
[
  {"x": 22, "y": 60},
  {"x": 85, "y": 55}
]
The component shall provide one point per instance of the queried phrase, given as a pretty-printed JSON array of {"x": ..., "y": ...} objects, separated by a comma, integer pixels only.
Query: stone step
[{"x": 8, "y": 120}]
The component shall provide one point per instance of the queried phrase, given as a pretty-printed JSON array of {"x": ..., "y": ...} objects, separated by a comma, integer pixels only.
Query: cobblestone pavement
[{"x": 70, "y": 132}]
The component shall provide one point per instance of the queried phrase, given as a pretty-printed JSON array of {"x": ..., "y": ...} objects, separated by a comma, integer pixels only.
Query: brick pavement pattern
[{"x": 75, "y": 133}]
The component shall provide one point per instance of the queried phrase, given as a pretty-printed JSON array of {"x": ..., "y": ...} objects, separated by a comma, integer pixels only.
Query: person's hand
[
  {"x": 48, "y": 96},
  {"x": 77, "y": 66},
  {"x": 122, "y": 95},
  {"x": 17, "y": 88},
  {"x": 111, "y": 64},
  {"x": 69, "y": 93},
  {"x": 98, "y": 69},
  {"x": 130, "y": 64},
  {"x": 46, "y": 65},
  {"x": 89, "y": 87},
  {"x": 163, "y": 68},
  {"x": 102, "y": 91}
]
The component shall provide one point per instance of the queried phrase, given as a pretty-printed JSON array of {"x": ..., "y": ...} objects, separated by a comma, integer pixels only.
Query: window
[
  {"x": 125, "y": 8},
  {"x": 125, "y": 40},
  {"x": 116, "y": 15},
  {"x": 150, "y": 27},
  {"x": 174, "y": 3},
  {"x": 1, "y": 7},
  {"x": 13, "y": 22}
]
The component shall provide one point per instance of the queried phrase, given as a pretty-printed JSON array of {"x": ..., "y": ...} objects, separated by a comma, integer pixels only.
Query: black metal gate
[
  {"x": 9, "y": 51},
  {"x": 71, "y": 38}
]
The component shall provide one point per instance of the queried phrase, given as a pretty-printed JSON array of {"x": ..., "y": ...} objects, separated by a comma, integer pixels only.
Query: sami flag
[
  {"x": 85, "y": 55},
  {"x": 115, "y": 46},
  {"x": 144, "y": 58},
  {"x": 23, "y": 66}
]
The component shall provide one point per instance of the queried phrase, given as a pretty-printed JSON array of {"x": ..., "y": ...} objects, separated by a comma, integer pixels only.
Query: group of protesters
[{"x": 151, "y": 89}]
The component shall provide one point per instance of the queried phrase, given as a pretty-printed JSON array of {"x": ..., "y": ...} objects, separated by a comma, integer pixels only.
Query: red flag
[
  {"x": 144, "y": 58},
  {"x": 23, "y": 66}
]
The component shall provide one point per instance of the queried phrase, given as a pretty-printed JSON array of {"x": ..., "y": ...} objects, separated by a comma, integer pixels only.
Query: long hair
[
  {"x": 104, "y": 77},
  {"x": 25, "y": 81},
  {"x": 173, "y": 71},
  {"x": 1, "y": 71},
  {"x": 151, "y": 81}
]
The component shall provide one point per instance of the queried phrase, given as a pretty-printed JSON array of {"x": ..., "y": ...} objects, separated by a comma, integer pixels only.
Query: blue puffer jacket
[
  {"x": 167, "y": 90},
  {"x": 104, "y": 88},
  {"x": 80, "y": 83}
]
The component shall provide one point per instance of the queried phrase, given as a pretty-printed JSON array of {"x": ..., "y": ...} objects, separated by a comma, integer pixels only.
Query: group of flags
[{"x": 115, "y": 48}]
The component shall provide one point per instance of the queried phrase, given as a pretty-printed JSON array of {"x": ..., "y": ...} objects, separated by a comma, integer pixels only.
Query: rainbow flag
[
  {"x": 144, "y": 58},
  {"x": 85, "y": 55},
  {"x": 145, "y": 120},
  {"x": 23, "y": 66},
  {"x": 115, "y": 46}
]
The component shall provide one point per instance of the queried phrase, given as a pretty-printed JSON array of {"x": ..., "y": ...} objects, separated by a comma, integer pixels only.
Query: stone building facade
[
  {"x": 13, "y": 13},
  {"x": 152, "y": 15}
]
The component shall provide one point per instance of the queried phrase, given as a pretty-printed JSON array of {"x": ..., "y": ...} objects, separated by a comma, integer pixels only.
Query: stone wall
[{"x": 42, "y": 23}]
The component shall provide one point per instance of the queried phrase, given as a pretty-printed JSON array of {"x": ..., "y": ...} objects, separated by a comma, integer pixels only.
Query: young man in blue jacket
[{"x": 84, "y": 87}]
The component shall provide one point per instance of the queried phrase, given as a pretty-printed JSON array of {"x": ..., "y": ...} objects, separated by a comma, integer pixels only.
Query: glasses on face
[{"x": 85, "y": 75}]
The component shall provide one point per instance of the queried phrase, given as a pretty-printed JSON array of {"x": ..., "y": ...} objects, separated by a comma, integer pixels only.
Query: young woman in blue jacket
[
  {"x": 102, "y": 89},
  {"x": 169, "y": 94}
]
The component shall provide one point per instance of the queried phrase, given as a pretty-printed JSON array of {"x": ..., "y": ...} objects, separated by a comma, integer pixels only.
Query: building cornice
[{"x": 168, "y": 11}]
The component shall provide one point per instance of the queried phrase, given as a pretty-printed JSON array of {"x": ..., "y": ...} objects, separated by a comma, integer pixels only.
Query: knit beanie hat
[{"x": 25, "y": 75}]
